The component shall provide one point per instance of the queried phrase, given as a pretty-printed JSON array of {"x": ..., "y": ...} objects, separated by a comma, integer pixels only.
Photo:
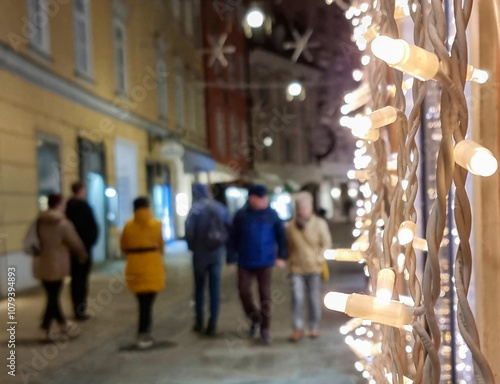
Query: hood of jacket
[
  {"x": 51, "y": 217},
  {"x": 200, "y": 192}
]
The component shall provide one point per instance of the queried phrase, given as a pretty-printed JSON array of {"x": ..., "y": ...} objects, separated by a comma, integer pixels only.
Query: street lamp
[{"x": 255, "y": 17}]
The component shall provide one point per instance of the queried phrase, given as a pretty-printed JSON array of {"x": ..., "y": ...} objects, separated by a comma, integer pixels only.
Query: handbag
[
  {"x": 325, "y": 271},
  {"x": 32, "y": 246}
]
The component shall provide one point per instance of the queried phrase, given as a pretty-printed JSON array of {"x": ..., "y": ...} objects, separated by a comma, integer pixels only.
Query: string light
[
  {"x": 475, "y": 158},
  {"x": 385, "y": 285},
  {"x": 393, "y": 313},
  {"x": 345, "y": 255},
  {"x": 406, "y": 232},
  {"x": 477, "y": 75},
  {"x": 408, "y": 58}
]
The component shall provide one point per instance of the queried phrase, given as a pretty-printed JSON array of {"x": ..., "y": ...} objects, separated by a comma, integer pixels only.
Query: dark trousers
[
  {"x": 213, "y": 271},
  {"x": 53, "y": 310},
  {"x": 145, "y": 310},
  {"x": 79, "y": 285},
  {"x": 260, "y": 317}
]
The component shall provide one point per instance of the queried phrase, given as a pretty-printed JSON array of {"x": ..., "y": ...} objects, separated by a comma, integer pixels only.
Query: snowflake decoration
[
  {"x": 301, "y": 45},
  {"x": 217, "y": 50}
]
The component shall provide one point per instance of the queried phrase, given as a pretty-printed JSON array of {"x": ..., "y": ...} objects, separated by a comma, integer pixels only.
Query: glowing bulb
[
  {"x": 359, "y": 366},
  {"x": 477, "y": 75},
  {"x": 364, "y": 7},
  {"x": 406, "y": 232},
  {"x": 385, "y": 285},
  {"x": 294, "y": 89},
  {"x": 344, "y": 254},
  {"x": 255, "y": 18},
  {"x": 394, "y": 313},
  {"x": 416, "y": 61},
  {"x": 475, "y": 158},
  {"x": 336, "y": 192},
  {"x": 268, "y": 141},
  {"x": 352, "y": 192},
  {"x": 357, "y": 75},
  {"x": 420, "y": 244},
  {"x": 359, "y": 174},
  {"x": 365, "y": 60},
  {"x": 110, "y": 192}
]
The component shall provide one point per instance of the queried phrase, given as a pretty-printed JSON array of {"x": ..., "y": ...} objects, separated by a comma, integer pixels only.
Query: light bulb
[
  {"x": 294, "y": 89},
  {"x": 420, "y": 244},
  {"x": 344, "y": 254},
  {"x": 385, "y": 285},
  {"x": 357, "y": 75},
  {"x": 336, "y": 301},
  {"x": 406, "y": 232},
  {"x": 475, "y": 158},
  {"x": 268, "y": 141},
  {"x": 382, "y": 117},
  {"x": 255, "y": 18},
  {"x": 359, "y": 174},
  {"x": 408, "y": 58},
  {"x": 336, "y": 192},
  {"x": 394, "y": 313},
  {"x": 365, "y": 60},
  {"x": 477, "y": 75}
]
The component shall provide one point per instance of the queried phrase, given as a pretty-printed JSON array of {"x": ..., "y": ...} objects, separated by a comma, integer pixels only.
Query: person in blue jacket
[
  {"x": 207, "y": 218},
  {"x": 257, "y": 244}
]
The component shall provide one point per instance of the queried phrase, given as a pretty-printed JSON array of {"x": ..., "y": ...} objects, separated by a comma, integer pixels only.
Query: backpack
[{"x": 216, "y": 234}]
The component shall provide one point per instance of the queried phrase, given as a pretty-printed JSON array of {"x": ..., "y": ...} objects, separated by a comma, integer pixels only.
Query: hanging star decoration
[
  {"x": 217, "y": 50},
  {"x": 301, "y": 45}
]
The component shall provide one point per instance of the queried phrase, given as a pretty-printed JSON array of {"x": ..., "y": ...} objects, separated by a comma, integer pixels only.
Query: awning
[{"x": 195, "y": 162}]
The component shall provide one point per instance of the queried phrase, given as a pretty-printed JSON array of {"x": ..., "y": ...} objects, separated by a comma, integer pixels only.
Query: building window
[
  {"x": 234, "y": 135},
  {"x": 192, "y": 105},
  {"x": 179, "y": 94},
  {"x": 120, "y": 57},
  {"x": 221, "y": 132},
  {"x": 161, "y": 71},
  {"x": 83, "y": 44},
  {"x": 176, "y": 8},
  {"x": 49, "y": 172},
  {"x": 40, "y": 26},
  {"x": 288, "y": 150},
  {"x": 188, "y": 17}
]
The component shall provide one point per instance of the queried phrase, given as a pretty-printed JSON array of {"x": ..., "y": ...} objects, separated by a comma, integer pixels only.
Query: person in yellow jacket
[{"x": 142, "y": 243}]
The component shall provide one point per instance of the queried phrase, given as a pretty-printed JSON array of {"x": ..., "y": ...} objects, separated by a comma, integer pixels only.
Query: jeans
[
  {"x": 53, "y": 310},
  {"x": 79, "y": 285},
  {"x": 302, "y": 285},
  {"x": 213, "y": 270},
  {"x": 260, "y": 317},
  {"x": 145, "y": 309}
]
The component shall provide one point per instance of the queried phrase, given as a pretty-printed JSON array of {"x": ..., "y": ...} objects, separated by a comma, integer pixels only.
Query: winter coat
[
  {"x": 306, "y": 246},
  {"x": 197, "y": 224},
  {"x": 255, "y": 235},
  {"x": 58, "y": 238},
  {"x": 80, "y": 214},
  {"x": 142, "y": 243}
]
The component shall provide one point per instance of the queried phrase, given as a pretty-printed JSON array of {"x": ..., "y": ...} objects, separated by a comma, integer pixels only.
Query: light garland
[{"x": 386, "y": 163}]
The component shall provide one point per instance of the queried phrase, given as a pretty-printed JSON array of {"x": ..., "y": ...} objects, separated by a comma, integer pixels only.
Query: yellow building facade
[{"x": 96, "y": 87}]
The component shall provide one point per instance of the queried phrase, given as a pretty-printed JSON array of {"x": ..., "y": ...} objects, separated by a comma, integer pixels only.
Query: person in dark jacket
[
  {"x": 80, "y": 214},
  {"x": 256, "y": 232},
  {"x": 206, "y": 261}
]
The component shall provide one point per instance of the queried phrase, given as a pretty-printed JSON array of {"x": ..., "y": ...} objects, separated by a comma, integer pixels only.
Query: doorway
[
  {"x": 92, "y": 174},
  {"x": 160, "y": 194}
]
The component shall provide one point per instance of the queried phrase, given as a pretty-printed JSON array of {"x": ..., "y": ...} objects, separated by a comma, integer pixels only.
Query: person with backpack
[
  {"x": 257, "y": 233},
  {"x": 207, "y": 231}
]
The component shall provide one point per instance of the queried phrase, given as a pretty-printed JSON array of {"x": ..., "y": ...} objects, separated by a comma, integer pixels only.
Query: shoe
[
  {"x": 198, "y": 327},
  {"x": 82, "y": 317},
  {"x": 69, "y": 328},
  {"x": 50, "y": 334},
  {"x": 313, "y": 333},
  {"x": 211, "y": 330},
  {"x": 144, "y": 341},
  {"x": 252, "y": 331},
  {"x": 266, "y": 337},
  {"x": 296, "y": 335}
]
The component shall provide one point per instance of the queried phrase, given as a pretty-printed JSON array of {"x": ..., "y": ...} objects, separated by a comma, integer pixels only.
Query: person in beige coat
[
  {"x": 308, "y": 237},
  {"x": 58, "y": 239}
]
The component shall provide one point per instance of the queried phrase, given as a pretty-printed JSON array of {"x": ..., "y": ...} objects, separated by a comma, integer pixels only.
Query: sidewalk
[{"x": 101, "y": 354}]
